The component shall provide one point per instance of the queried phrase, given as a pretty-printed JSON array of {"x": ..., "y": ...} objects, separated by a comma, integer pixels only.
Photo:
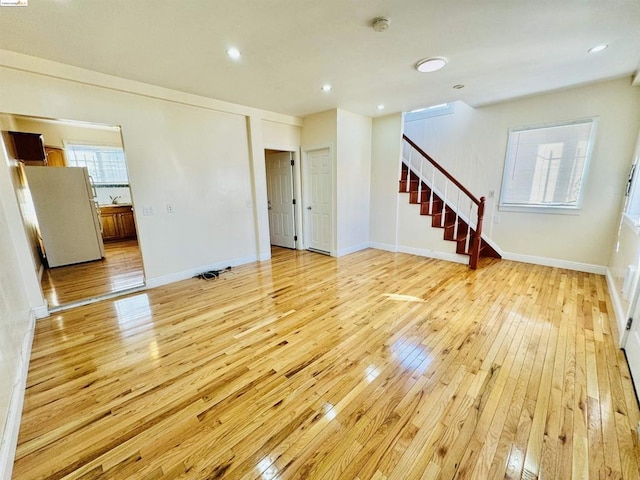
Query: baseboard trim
[
  {"x": 355, "y": 248},
  {"x": 554, "y": 262},
  {"x": 42, "y": 311},
  {"x": 383, "y": 246},
  {"x": 421, "y": 252},
  {"x": 14, "y": 413},
  {"x": 618, "y": 309},
  {"x": 184, "y": 275}
]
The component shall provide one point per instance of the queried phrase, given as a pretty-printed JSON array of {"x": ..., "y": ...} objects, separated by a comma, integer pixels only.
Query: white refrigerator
[{"x": 67, "y": 212}]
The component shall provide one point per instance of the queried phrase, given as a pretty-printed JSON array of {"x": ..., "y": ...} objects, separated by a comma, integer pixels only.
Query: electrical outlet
[
  {"x": 169, "y": 208},
  {"x": 147, "y": 210},
  {"x": 496, "y": 219},
  {"x": 492, "y": 193}
]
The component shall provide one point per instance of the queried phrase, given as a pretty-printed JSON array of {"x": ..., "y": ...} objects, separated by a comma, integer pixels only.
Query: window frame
[
  {"x": 68, "y": 145},
  {"x": 565, "y": 209}
]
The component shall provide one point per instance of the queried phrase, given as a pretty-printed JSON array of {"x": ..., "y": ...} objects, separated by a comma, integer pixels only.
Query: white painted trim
[
  {"x": 383, "y": 246},
  {"x": 355, "y": 248},
  {"x": 42, "y": 311},
  {"x": 40, "y": 66},
  {"x": 421, "y": 252},
  {"x": 621, "y": 315},
  {"x": 555, "y": 262},
  {"x": 14, "y": 413},
  {"x": 192, "y": 272},
  {"x": 263, "y": 257}
]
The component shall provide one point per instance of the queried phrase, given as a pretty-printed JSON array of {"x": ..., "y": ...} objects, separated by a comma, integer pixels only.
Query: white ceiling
[{"x": 498, "y": 49}]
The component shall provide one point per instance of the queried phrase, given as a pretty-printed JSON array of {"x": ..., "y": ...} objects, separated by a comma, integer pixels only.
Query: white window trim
[
  {"x": 67, "y": 142},
  {"x": 552, "y": 209}
]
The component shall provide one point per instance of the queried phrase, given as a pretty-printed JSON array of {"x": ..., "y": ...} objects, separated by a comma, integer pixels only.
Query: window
[
  {"x": 428, "y": 112},
  {"x": 106, "y": 164},
  {"x": 545, "y": 166}
]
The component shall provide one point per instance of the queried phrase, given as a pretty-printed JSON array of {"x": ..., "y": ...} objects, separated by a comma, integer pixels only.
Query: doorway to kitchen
[{"x": 82, "y": 235}]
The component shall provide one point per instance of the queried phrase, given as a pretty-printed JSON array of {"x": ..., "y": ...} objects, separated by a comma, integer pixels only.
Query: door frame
[
  {"x": 295, "y": 195},
  {"x": 35, "y": 262},
  {"x": 306, "y": 181},
  {"x": 297, "y": 187}
]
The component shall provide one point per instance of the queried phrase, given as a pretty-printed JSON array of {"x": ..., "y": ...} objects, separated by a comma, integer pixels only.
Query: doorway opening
[
  {"x": 281, "y": 202},
  {"x": 76, "y": 205}
]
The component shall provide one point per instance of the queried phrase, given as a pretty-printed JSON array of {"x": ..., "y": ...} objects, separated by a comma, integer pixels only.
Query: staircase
[{"x": 450, "y": 205}]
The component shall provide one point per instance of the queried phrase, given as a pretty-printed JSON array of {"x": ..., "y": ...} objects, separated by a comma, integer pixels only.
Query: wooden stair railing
[{"x": 444, "y": 198}]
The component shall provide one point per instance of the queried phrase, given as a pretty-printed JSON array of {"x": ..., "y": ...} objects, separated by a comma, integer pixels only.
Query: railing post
[{"x": 477, "y": 238}]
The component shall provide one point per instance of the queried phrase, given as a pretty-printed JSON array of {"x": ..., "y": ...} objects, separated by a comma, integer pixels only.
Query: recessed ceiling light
[
  {"x": 326, "y": 87},
  {"x": 233, "y": 53},
  {"x": 458, "y": 86},
  {"x": 597, "y": 48},
  {"x": 380, "y": 107},
  {"x": 431, "y": 64}
]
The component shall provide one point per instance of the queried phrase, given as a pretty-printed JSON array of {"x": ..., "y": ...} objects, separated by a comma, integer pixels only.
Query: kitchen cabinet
[
  {"x": 117, "y": 222},
  {"x": 55, "y": 157}
]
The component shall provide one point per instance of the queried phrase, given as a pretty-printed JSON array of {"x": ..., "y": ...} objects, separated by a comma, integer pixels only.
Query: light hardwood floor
[
  {"x": 121, "y": 269},
  {"x": 372, "y": 366}
]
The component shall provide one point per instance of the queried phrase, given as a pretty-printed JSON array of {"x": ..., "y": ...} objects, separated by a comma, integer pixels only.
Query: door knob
[{"x": 308, "y": 208}]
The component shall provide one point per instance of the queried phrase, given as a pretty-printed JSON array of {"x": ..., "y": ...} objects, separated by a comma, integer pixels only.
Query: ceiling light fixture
[
  {"x": 326, "y": 88},
  {"x": 233, "y": 53},
  {"x": 597, "y": 48},
  {"x": 380, "y": 107},
  {"x": 431, "y": 64},
  {"x": 381, "y": 24}
]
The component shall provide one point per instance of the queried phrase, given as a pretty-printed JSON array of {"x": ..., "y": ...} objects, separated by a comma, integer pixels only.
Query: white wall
[
  {"x": 203, "y": 156},
  {"x": 19, "y": 290},
  {"x": 471, "y": 144},
  {"x": 385, "y": 174},
  {"x": 348, "y": 135},
  {"x": 190, "y": 152},
  {"x": 320, "y": 130},
  {"x": 353, "y": 181}
]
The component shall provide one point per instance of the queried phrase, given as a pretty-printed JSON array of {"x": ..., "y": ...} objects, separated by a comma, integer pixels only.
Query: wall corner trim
[
  {"x": 9, "y": 440},
  {"x": 353, "y": 249}
]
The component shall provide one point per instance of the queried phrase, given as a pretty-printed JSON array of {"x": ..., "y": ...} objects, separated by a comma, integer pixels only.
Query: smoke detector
[{"x": 381, "y": 24}]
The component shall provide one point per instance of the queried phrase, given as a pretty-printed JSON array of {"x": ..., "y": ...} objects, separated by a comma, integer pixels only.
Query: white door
[
  {"x": 319, "y": 207},
  {"x": 280, "y": 198},
  {"x": 632, "y": 345}
]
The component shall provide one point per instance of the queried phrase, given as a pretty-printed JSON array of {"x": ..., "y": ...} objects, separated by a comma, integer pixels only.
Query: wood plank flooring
[
  {"x": 120, "y": 269},
  {"x": 372, "y": 366}
]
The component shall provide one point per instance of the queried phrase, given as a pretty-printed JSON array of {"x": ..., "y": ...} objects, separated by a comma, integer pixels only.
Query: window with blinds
[
  {"x": 545, "y": 166},
  {"x": 106, "y": 164}
]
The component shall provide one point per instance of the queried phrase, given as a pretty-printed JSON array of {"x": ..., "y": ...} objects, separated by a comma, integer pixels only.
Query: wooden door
[
  {"x": 280, "y": 198},
  {"x": 319, "y": 207}
]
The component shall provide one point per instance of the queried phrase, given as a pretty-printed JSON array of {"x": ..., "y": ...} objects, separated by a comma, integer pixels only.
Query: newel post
[{"x": 477, "y": 238}]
